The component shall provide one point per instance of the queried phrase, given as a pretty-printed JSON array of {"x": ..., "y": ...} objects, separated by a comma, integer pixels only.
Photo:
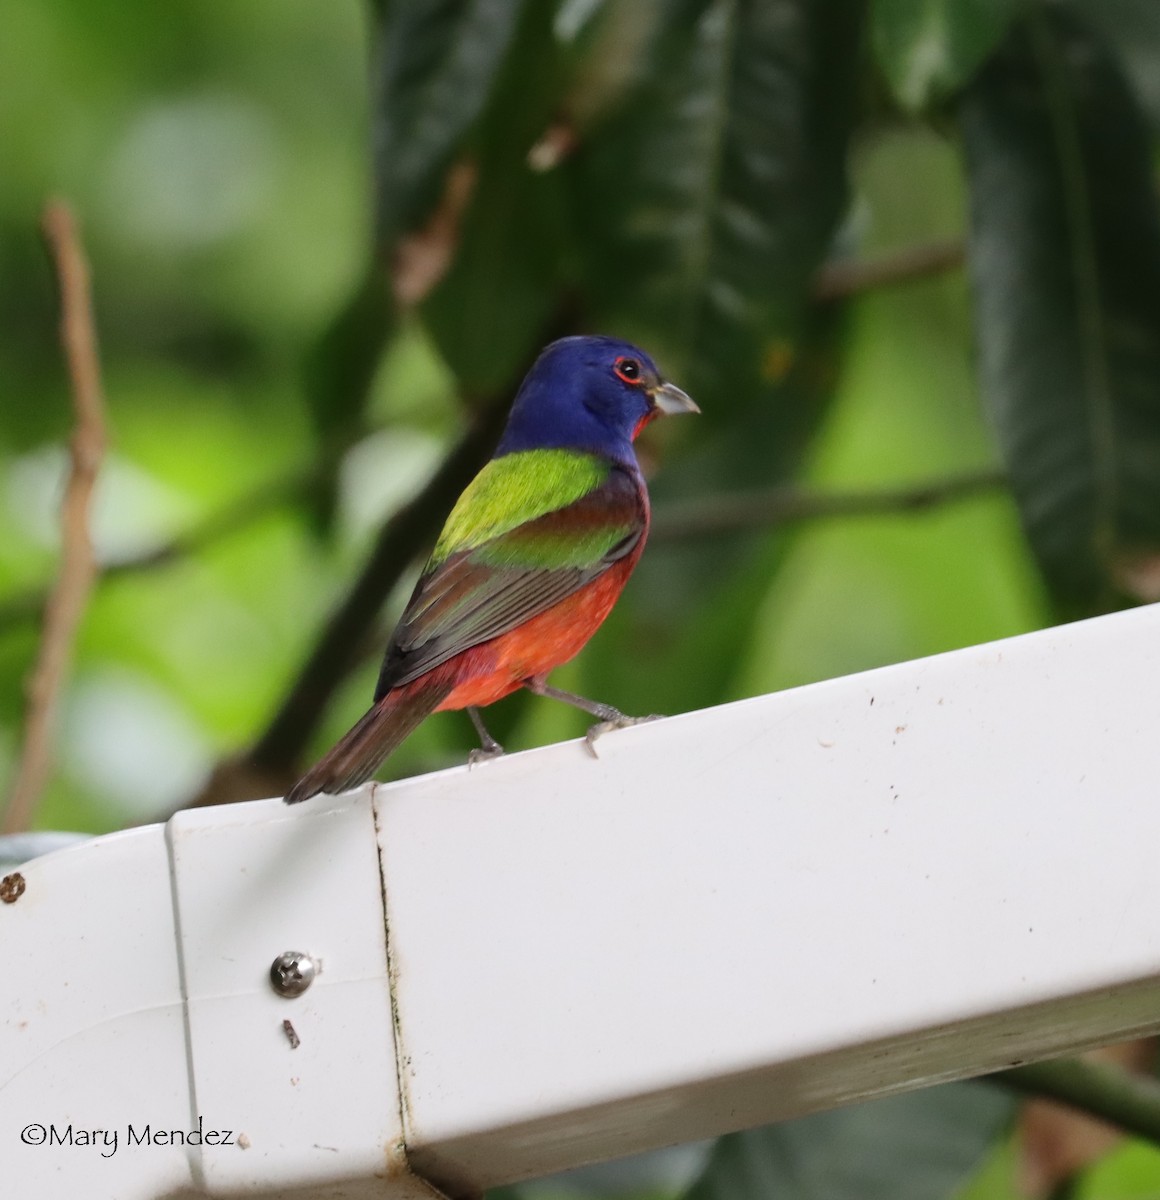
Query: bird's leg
[
  {"x": 490, "y": 748},
  {"x": 610, "y": 718}
]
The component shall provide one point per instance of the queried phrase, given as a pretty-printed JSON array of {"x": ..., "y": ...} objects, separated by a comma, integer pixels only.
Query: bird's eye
[{"x": 627, "y": 369}]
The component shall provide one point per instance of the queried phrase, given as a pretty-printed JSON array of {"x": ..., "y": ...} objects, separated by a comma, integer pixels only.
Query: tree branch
[
  {"x": 230, "y": 519},
  {"x": 268, "y": 765},
  {"x": 66, "y": 603},
  {"x": 404, "y": 536},
  {"x": 339, "y": 372},
  {"x": 695, "y": 518},
  {"x": 353, "y": 345},
  {"x": 771, "y": 507},
  {"x": 850, "y": 277},
  {"x": 408, "y": 531},
  {"x": 1129, "y": 1101}
]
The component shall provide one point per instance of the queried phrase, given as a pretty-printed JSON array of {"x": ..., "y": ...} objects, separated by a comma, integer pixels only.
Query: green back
[{"x": 513, "y": 490}]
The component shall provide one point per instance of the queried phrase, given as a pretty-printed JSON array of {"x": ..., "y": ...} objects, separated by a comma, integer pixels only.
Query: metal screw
[{"x": 292, "y": 973}]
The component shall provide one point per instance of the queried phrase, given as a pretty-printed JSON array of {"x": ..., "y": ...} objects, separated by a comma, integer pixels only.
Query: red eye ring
[{"x": 628, "y": 371}]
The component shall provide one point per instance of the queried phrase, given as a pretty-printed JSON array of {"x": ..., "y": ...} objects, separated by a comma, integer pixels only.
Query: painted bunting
[{"x": 530, "y": 562}]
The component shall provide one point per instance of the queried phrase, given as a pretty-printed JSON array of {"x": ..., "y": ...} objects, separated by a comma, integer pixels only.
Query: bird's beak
[{"x": 669, "y": 399}]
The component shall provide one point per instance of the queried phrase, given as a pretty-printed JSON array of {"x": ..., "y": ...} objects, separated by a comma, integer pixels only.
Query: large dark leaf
[
  {"x": 1065, "y": 259},
  {"x": 709, "y": 181},
  {"x": 437, "y": 63},
  {"x": 929, "y": 48},
  {"x": 501, "y": 291},
  {"x": 1133, "y": 28},
  {"x": 708, "y": 190},
  {"x": 922, "y": 1146}
]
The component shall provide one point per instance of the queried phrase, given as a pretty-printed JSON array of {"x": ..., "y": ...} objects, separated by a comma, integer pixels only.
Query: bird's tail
[{"x": 358, "y": 753}]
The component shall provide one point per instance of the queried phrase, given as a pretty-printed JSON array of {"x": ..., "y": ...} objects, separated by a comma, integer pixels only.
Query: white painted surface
[
  {"x": 252, "y": 881},
  {"x": 732, "y": 917},
  {"x": 145, "y": 1004},
  {"x": 91, "y": 991},
  {"x": 746, "y": 913}
]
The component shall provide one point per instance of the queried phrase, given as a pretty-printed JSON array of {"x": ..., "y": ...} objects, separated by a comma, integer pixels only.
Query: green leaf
[
  {"x": 928, "y": 49},
  {"x": 1130, "y": 1171},
  {"x": 437, "y": 64},
  {"x": 921, "y": 1146},
  {"x": 1132, "y": 27},
  {"x": 709, "y": 189},
  {"x": 490, "y": 312},
  {"x": 1065, "y": 260}
]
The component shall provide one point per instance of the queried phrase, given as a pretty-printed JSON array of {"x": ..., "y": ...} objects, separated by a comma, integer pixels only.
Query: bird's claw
[
  {"x": 482, "y": 754},
  {"x": 620, "y": 721}
]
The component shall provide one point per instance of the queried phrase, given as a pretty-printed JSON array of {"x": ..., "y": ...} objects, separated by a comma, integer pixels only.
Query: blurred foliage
[
  {"x": 900, "y": 1148},
  {"x": 928, "y": 49},
  {"x": 1065, "y": 255},
  {"x": 326, "y": 239}
]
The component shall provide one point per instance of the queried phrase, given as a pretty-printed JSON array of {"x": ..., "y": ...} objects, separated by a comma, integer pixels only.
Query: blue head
[{"x": 589, "y": 393}]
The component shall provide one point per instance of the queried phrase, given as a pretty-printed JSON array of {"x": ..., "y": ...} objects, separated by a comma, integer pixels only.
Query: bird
[{"x": 530, "y": 561}]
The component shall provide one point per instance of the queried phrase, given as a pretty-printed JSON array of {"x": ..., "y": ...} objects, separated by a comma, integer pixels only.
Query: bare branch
[
  {"x": 402, "y": 539},
  {"x": 343, "y": 643},
  {"x": 232, "y": 518},
  {"x": 268, "y": 763},
  {"x": 69, "y": 596},
  {"x": 1123, "y": 1099},
  {"x": 850, "y": 277},
  {"x": 346, "y": 358},
  {"x": 771, "y": 507}
]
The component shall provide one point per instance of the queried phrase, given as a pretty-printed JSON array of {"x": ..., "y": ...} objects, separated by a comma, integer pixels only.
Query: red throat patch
[{"x": 648, "y": 417}]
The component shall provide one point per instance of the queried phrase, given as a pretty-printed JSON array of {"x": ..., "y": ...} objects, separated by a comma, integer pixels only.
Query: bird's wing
[{"x": 475, "y": 589}]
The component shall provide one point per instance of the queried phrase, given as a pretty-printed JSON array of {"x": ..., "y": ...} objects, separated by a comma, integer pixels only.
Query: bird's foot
[
  {"x": 482, "y": 754},
  {"x": 618, "y": 721},
  {"x": 489, "y": 747}
]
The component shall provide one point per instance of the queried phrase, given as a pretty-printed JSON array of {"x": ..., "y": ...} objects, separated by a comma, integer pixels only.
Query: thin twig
[
  {"x": 708, "y": 515},
  {"x": 230, "y": 519},
  {"x": 355, "y": 345},
  {"x": 343, "y": 641},
  {"x": 850, "y": 277},
  {"x": 771, "y": 507},
  {"x": 1124, "y": 1099},
  {"x": 68, "y": 598},
  {"x": 246, "y": 510}
]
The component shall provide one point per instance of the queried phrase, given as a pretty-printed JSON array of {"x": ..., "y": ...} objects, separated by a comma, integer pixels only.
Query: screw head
[{"x": 292, "y": 973}]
